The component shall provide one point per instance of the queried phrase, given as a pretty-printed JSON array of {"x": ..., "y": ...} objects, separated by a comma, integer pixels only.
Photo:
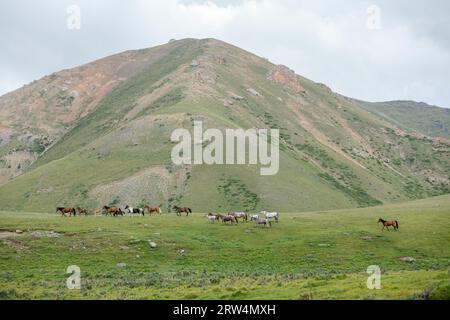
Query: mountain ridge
[{"x": 332, "y": 146}]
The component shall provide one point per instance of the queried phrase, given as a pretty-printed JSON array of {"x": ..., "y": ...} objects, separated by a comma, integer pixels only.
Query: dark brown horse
[
  {"x": 64, "y": 210},
  {"x": 152, "y": 209},
  {"x": 113, "y": 211},
  {"x": 229, "y": 218},
  {"x": 82, "y": 211},
  {"x": 179, "y": 210},
  {"x": 389, "y": 223}
]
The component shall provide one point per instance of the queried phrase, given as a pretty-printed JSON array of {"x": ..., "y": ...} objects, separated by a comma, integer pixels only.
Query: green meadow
[{"x": 312, "y": 255}]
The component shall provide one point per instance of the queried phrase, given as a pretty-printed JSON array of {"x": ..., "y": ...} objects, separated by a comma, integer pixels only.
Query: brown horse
[
  {"x": 229, "y": 218},
  {"x": 179, "y": 210},
  {"x": 82, "y": 211},
  {"x": 113, "y": 211},
  {"x": 97, "y": 211},
  {"x": 64, "y": 210},
  {"x": 389, "y": 223},
  {"x": 151, "y": 209}
]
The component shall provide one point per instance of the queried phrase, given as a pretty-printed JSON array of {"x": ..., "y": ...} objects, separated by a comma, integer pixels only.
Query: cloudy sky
[{"x": 374, "y": 50}]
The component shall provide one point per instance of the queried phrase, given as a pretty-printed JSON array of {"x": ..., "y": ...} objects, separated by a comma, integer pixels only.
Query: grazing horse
[
  {"x": 270, "y": 215},
  {"x": 66, "y": 210},
  {"x": 266, "y": 222},
  {"x": 389, "y": 223},
  {"x": 152, "y": 209},
  {"x": 179, "y": 210},
  {"x": 113, "y": 211},
  {"x": 97, "y": 211},
  {"x": 229, "y": 218},
  {"x": 254, "y": 217},
  {"x": 213, "y": 217},
  {"x": 132, "y": 210},
  {"x": 82, "y": 211},
  {"x": 220, "y": 216},
  {"x": 240, "y": 215}
]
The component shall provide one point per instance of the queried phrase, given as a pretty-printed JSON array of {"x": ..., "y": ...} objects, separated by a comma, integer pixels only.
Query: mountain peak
[{"x": 107, "y": 125}]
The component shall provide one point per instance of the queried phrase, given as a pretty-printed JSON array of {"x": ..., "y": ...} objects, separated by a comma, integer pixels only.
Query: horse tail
[
  {"x": 189, "y": 209},
  {"x": 396, "y": 223}
]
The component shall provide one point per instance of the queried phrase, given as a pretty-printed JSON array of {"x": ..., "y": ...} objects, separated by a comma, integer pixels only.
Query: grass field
[{"x": 314, "y": 255}]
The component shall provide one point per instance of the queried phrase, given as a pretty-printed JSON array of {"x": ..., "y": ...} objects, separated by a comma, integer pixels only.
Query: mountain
[
  {"x": 413, "y": 116},
  {"x": 100, "y": 134}
]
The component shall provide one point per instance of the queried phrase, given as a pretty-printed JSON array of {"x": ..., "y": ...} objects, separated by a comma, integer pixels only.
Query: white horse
[
  {"x": 212, "y": 217},
  {"x": 270, "y": 215},
  {"x": 131, "y": 210},
  {"x": 254, "y": 217}
]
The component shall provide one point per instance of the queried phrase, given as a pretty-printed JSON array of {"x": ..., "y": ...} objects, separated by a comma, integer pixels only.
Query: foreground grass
[{"x": 318, "y": 255}]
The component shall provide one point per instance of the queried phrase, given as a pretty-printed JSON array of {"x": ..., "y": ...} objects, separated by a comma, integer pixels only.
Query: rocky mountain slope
[
  {"x": 100, "y": 134},
  {"x": 414, "y": 116}
]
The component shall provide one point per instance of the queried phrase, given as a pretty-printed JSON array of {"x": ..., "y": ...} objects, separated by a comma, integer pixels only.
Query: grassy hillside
[
  {"x": 318, "y": 255},
  {"x": 414, "y": 116},
  {"x": 333, "y": 153}
]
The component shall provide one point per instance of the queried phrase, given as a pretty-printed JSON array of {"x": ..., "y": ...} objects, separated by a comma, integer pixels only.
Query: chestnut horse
[
  {"x": 113, "y": 211},
  {"x": 179, "y": 210},
  {"x": 152, "y": 209},
  {"x": 66, "y": 210},
  {"x": 389, "y": 223}
]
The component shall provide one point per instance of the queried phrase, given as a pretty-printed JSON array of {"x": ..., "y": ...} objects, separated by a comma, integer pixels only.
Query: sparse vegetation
[{"x": 237, "y": 196}]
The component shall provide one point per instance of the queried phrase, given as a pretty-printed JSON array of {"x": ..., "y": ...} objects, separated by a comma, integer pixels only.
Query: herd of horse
[
  {"x": 233, "y": 217},
  {"x": 230, "y": 218},
  {"x": 111, "y": 211},
  {"x": 117, "y": 211}
]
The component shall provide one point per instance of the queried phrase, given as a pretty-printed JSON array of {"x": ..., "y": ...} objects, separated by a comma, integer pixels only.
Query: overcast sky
[{"x": 372, "y": 50}]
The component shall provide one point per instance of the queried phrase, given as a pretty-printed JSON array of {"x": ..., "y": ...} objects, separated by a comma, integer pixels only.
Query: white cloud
[{"x": 326, "y": 41}]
